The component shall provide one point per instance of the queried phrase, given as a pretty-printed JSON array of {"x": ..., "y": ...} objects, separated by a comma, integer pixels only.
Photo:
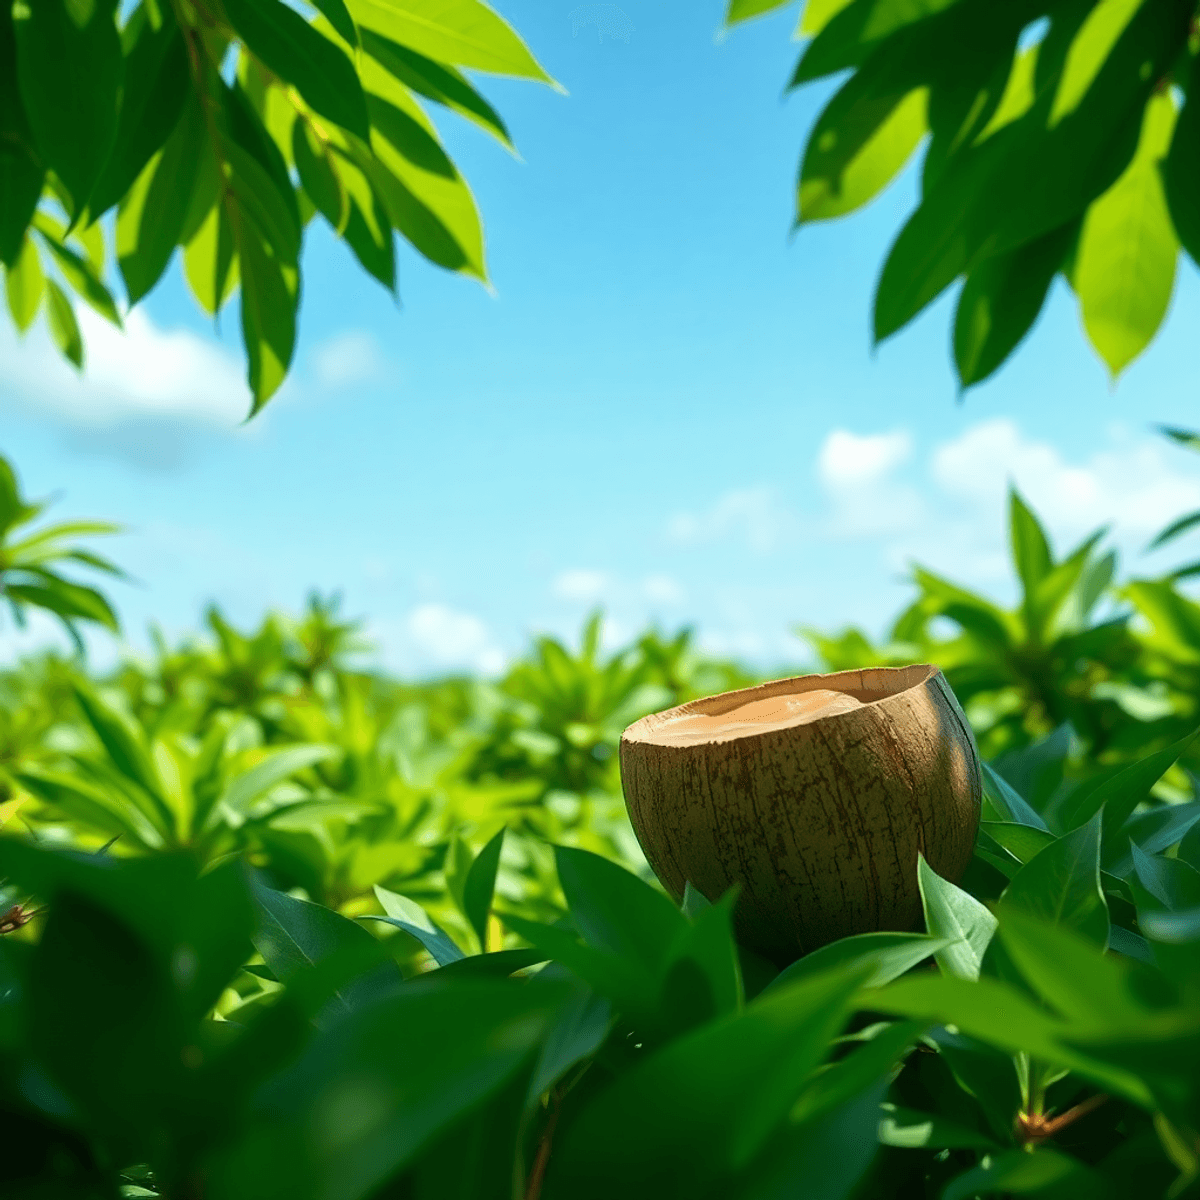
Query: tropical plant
[
  {"x": 1060, "y": 139},
  {"x": 224, "y": 127},
  {"x": 31, "y": 563}
]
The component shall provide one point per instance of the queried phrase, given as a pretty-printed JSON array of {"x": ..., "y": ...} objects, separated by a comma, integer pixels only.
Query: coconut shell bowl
[{"x": 812, "y": 796}]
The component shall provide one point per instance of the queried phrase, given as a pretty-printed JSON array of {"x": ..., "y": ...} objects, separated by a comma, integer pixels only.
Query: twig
[
  {"x": 1037, "y": 1127},
  {"x": 541, "y": 1160}
]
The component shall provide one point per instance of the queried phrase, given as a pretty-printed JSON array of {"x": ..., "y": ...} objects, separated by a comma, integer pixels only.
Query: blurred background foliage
[{"x": 334, "y": 776}]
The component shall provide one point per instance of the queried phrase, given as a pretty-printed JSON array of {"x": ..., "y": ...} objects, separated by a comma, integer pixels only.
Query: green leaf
[
  {"x": 818, "y": 13},
  {"x": 314, "y": 65},
  {"x": 24, "y": 284},
  {"x": 1121, "y": 794},
  {"x": 1030, "y": 549},
  {"x": 1181, "y": 184},
  {"x": 1007, "y": 802},
  {"x": 156, "y": 86},
  {"x": 1086, "y": 986},
  {"x": 151, "y": 218},
  {"x": 338, "y": 15},
  {"x": 294, "y": 936},
  {"x": 92, "y": 807},
  {"x": 695, "y": 1112},
  {"x": 64, "y": 329},
  {"x": 1019, "y": 1172},
  {"x": 1174, "y": 928},
  {"x": 270, "y": 296},
  {"x": 425, "y": 197},
  {"x": 318, "y": 175},
  {"x": 435, "y": 81},
  {"x": 78, "y": 271},
  {"x": 209, "y": 260},
  {"x": 1061, "y": 884},
  {"x": 862, "y": 139},
  {"x": 121, "y": 740},
  {"x": 1124, "y": 265},
  {"x": 890, "y": 955},
  {"x": 75, "y": 122},
  {"x": 240, "y": 792},
  {"x": 480, "y": 885},
  {"x": 463, "y": 33},
  {"x": 368, "y": 231},
  {"x": 21, "y": 172},
  {"x": 1000, "y": 301},
  {"x": 744, "y": 10},
  {"x": 1023, "y": 842},
  {"x": 907, "y": 1129},
  {"x": 1190, "y": 521},
  {"x": 1173, "y": 883},
  {"x": 615, "y": 911},
  {"x": 956, "y": 917},
  {"x": 408, "y": 915}
]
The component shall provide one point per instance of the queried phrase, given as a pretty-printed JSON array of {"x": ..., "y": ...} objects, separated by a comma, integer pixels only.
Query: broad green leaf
[
  {"x": 151, "y": 218},
  {"x": 997, "y": 1014},
  {"x": 462, "y": 33},
  {"x": 1061, "y": 884},
  {"x": 861, "y": 140},
  {"x": 702, "y": 1107},
  {"x": 1122, "y": 793},
  {"x": 155, "y": 87},
  {"x": 121, "y": 740},
  {"x": 957, "y": 918},
  {"x": 1007, "y": 802},
  {"x": 436, "y": 81},
  {"x": 744, "y": 10},
  {"x": 1172, "y": 927},
  {"x": 318, "y": 176},
  {"x": 209, "y": 261},
  {"x": 21, "y": 173},
  {"x": 818, "y": 13},
  {"x": 24, "y": 284},
  {"x": 338, "y": 15},
  {"x": 1000, "y": 301},
  {"x": 615, "y": 911},
  {"x": 1030, "y": 549},
  {"x": 408, "y": 915},
  {"x": 907, "y": 1129},
  {"x": 694, "y": 902},
  {"x": 294, "y": 936},
  {"x": 75, "y": 123},
  {"x": 64, "y": 329},
  {"x": 313, "y": 64},
  {"x": 94, "y": 807},
  {"x": 239, "y": 794},
  {"x": 578, "y": 1033},
  {"x": 368, "y": 231},
  {"x": 703, "y": 979},
  {"x": 1023, "y": 842},
  {"x": 480, "y": 886},
  {"x": 1018, "y": 1172},
  {"x": 890, "y": 955},
  {"x": 1083, "y": 984},
  {"x": 425, "y": 197},
  {"x": 80, "y": 274},
  {"x": 270, "y": 295},
  {"x": 68, "y": 601},
  {"x": 1090, "y": 47},
  {"x": 1181, "y": 184},
  {"x": 382, "y": 1084},
  {"x": 1124, "y": 264},
  {"x": 1173, "y": 883},
  {"x": 1025, "y": 180}
]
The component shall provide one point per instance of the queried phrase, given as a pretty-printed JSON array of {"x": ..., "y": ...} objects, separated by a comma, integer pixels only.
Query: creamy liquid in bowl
[{"x": 756, "y": 716}]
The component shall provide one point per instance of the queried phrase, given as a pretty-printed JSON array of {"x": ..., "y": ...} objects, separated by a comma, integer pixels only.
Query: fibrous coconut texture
[{"x": 813, "y": 796}]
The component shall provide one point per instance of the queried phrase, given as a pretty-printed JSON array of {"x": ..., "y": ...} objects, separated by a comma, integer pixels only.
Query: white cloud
[
  {"x": 848, "y": 460},
  {"x": 142, "y": 373},
  {"x": 440, "y": 638},
  {"x": 580, "y": 585},
  {"x": 348, "y": 358},
  {"x": 753, "y": 515}
]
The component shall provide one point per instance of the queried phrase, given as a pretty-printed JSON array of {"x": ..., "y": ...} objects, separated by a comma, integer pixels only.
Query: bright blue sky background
[{"x": 669, "y": 406}]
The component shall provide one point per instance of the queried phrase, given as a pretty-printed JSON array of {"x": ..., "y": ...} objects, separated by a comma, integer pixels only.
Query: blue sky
[{"x": 669, "y": 406}]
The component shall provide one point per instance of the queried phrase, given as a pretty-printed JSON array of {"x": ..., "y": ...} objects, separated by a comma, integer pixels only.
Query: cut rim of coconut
[{"x": 779, "y": 705}]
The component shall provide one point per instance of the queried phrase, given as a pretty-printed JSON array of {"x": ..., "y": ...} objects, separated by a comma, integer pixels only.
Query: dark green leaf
[
  {"x": 270, "y": 296},
  {"x": 1008, "y": 803},
  {"x": 1061, "y": 884},
  {"x": 1000, "y": 301},
  {"x": 82, "y": 276},
  {"x": 313, "y": 64},
  {"x": 480, "y": 886},
  {"x": 1173, "y": 883},
  {"x": 21, "y": 171},
  {"x": 1181, "y": 182},
  {"x": 156, "y": 85},
  {"x": 908, "y": 1129},
  {"x": 1019, "y": 1172},
  {"x": 318, "y": 175},
  {"x": 75, "y": 123},
  {"x": 150, "y": 221},
  {"x": 63, "y": 327},
  {"x": 338, "y": 16}
]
